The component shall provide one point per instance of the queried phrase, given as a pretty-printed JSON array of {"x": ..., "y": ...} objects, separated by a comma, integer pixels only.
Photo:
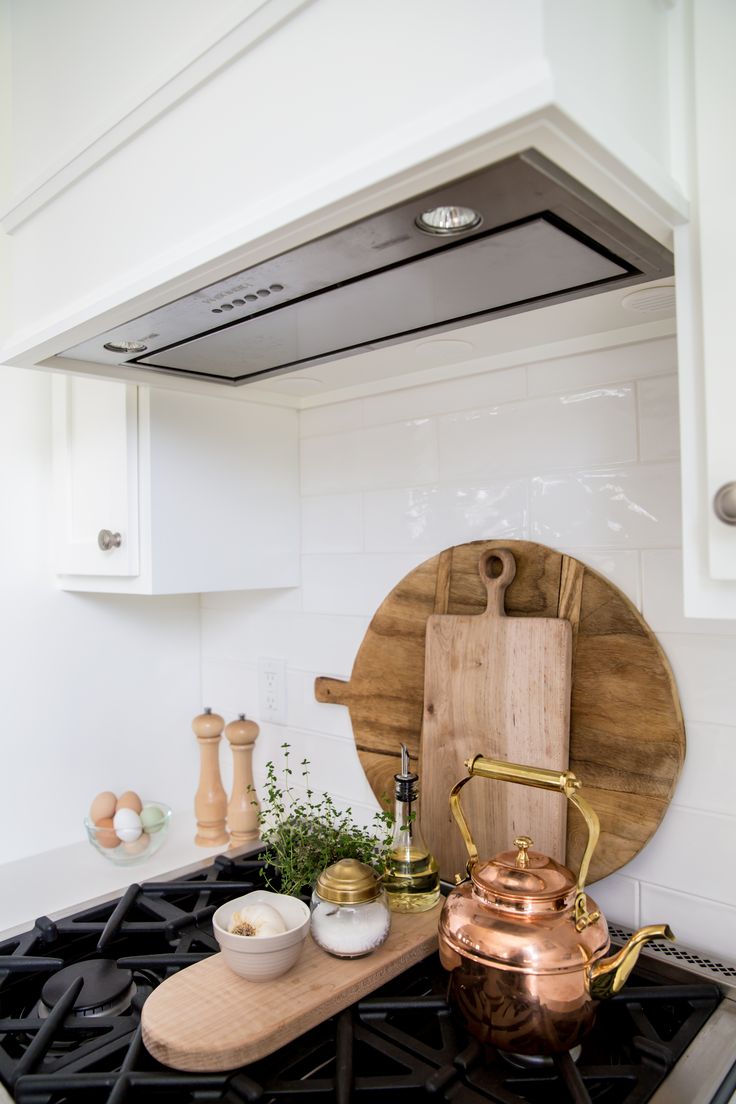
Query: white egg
[
  {"x": 257, "y": 920},
  {"x": 127, "y": 825}
]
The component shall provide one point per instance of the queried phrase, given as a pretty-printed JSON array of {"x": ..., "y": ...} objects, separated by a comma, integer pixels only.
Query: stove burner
[
  {"x": 401, "y": 1042},
  {"x": 106, "y": 989},
  {"x": 536, "y": 1061}
]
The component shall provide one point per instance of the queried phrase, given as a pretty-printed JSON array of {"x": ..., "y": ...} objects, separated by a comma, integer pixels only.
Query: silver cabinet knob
[
  {"x": 724, "y": 503},
  {"x": 108, "y": 540}
]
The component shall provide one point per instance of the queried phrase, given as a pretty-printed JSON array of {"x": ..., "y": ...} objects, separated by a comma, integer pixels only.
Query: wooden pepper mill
[
  {"x": 242, "y": 811},
  {"x": 210, "y": 801}
]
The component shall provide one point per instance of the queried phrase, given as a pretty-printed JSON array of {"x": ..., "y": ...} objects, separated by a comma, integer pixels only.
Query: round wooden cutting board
[{"x": 627, "y": 738}]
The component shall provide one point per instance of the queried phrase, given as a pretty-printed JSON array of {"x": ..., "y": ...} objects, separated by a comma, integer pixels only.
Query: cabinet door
[
  {"x": 95, "y": 458},
  {"x": 715, "y": 86},
  {"x": 706, "y": 291}
]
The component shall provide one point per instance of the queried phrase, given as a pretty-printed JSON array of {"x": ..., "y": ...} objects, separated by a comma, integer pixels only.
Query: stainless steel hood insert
[{"x": 543, "y": 238}]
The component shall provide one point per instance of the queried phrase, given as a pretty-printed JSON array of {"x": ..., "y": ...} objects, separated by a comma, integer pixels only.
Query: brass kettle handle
[{"x": 565, "y": 782}]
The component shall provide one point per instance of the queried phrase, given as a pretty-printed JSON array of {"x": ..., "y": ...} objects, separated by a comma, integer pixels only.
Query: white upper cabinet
[
  {"x": 95, "y": 451},
  {"x": 158, "y": 492},
  {"x": 706, "y": 292}
]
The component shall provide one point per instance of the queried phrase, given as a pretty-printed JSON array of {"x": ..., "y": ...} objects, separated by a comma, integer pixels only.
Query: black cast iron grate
[{"x": 403, "y": 1040}]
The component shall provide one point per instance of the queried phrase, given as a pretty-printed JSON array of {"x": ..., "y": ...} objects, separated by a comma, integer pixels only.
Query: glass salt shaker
[{"x": 350, "y": 914}]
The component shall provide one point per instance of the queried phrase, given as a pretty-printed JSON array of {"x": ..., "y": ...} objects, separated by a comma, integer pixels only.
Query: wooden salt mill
[
  {"x": 242, "y": 811},
  {"x": 210, "y": 801}
]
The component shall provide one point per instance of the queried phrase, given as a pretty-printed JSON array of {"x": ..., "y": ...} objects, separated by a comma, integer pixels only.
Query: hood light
[
  {"x": 650, "y": 300},
  {"x": 448, "y": 220},
  {"x": 125, "y": 346}
]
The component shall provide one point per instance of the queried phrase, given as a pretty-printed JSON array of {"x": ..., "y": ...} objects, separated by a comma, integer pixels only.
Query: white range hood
[{"x": 535, "y": 237}]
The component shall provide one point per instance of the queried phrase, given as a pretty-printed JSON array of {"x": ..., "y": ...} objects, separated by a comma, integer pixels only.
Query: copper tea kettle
[{"x": 524, "y": 943}]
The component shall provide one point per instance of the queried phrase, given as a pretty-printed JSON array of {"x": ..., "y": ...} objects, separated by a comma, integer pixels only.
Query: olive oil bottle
[{"x": 412, "y": 880}]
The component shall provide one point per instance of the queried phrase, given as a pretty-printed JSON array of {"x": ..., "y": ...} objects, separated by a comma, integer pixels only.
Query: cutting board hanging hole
[{"x": 497, "y": 569}]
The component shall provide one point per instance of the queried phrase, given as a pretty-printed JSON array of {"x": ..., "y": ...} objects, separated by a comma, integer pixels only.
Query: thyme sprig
[{"x": 303, "y": 836}]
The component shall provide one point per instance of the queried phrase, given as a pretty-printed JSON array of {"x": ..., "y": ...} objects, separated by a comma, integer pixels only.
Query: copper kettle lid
[{"x": 523, "y": 875}]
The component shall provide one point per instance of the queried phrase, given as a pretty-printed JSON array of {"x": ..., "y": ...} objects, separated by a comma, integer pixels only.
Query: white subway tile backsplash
[
  {"x": 243, "y": 603},
  {"x": 485, "y": 511},
  {"x": 306, "y": 712},
  {"x": 663, "y": 597},
  {"x": 332, "y": 464},
  {"x": 230, "y": 687},
  {"x": 331, "y": 418},
  {"x": 618, "y": 897},
  {"x": 707, "y": 778},
  {"x": 659, "y": 425},
  {"x": 334, "y": 766},
  {"x": 622, "y": 363},
  {"x": 382, "y": 456},
  {"x": 405, "y": 518},
  {"x": 700, "y": 923},
  {"x": 352, "y": 584},
  {"x": 361, "y": 814},
  {"x": 682, "y": 855},
  {"x": 400, "y": 453},
  {"x": 636, "y": 506},
  {"x": 586, "y": 427},
  {"x": 432, "y": 518},
  {"x": 704, "y": 668},
  {"x": 619, "y": 565},
  {"x": 332, "y": 523},
  {"x": 465, "y": 393},
  {"x": 326, "y": 643}
]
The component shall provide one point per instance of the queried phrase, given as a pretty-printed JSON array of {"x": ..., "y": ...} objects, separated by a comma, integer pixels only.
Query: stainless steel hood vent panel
[{"x": 543, "y": 238}]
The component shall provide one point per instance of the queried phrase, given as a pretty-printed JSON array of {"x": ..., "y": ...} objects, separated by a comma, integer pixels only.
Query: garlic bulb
[{"x": 257, "y": 920}]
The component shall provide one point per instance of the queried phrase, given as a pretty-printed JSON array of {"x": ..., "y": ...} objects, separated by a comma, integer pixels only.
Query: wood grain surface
[
  {"x": 207, "y": 1018},
  {"x": 501, "y": 686},
  {"x": 627, "y": 739}
]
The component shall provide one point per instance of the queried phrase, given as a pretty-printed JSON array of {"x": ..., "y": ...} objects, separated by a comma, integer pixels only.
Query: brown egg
[
  {"x": 106, "y": 835},
  {"x": 137, "y": 847},
  {"x": 103, "y": 806},
  {"x": 129, "y": 800}
]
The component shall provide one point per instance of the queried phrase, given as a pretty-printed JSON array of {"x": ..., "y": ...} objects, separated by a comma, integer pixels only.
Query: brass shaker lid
[
  {"x": 348, "y": 882},
  {"x": 523, "y": 875}
]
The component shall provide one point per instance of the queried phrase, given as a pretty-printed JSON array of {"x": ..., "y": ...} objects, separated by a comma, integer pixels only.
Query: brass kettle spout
[{"x": 609, "y": 975}]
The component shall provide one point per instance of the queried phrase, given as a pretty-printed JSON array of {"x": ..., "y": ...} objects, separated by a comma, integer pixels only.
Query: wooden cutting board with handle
[
  {"x": 207, "y": 1018},
  {"x": 497, "y": 686}
]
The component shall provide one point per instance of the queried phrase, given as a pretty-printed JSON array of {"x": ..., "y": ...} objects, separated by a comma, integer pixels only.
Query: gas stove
[{"x": 71, "y": 991}]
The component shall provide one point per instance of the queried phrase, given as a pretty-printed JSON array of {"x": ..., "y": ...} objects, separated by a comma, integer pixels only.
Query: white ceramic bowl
[{"x": 262, "y": 957}]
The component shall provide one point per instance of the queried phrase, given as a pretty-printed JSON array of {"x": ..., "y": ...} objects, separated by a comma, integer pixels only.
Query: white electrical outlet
[{"x": 272, "y": 690}]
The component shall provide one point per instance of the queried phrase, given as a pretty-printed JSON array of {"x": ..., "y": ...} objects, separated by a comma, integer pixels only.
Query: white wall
[
  {"x": 97, "y": 692},
  {"x": 580, "y": 454}
]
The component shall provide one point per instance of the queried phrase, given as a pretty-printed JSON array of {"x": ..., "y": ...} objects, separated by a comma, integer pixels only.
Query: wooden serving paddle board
[
  {"x": 497, "y": 686},
  {"x": 627, "y": 737},
  {"x": 207, "y": 1018}
]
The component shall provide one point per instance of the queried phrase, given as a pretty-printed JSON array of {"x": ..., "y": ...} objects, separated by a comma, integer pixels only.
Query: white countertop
[{"x": 63, "y": 880}]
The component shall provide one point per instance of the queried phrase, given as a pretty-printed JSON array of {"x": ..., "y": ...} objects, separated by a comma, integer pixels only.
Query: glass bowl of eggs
[{"x": 125, "y": 829}]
